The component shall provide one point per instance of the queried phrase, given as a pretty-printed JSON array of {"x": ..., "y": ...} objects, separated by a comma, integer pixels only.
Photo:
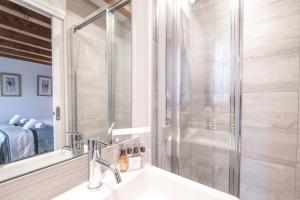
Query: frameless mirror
[
  {"x": 102, "y": 71},
  {"x": 91, "y": 80},
  {"x": 32, "y": 81},
  {"x": 121, "y": 65},
  {"x": 47, "y": 109}
]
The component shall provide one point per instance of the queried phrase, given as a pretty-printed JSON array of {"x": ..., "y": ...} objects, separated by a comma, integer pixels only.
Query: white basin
[{"x": 150, "y": 183}]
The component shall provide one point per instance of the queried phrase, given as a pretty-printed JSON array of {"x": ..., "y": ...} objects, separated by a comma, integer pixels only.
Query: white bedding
[
  {"x": 49, "y": 122},
  {"x": 21, "y": 141}
]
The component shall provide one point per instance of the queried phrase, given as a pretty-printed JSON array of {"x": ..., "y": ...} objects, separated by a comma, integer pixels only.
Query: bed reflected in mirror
[
  {"x": 26, "y": 111},
  {"x": 32, "y": 109}
]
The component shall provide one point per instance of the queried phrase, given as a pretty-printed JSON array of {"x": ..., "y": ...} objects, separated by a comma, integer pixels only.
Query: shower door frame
[{"x": 170, "y": 124}]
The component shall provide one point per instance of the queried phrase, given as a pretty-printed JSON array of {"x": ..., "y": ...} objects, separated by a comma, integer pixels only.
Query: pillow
[
  {"x": 40, "y": 125},
  {"x": 29, "y": 124},
  {"x": 15, "y": 119},
  {"x": 22, "y": 122}
]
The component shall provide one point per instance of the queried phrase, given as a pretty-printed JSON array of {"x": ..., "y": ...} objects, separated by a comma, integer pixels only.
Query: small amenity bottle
[
  {"x": 142, "y": 154},
  {"x": 135, "y": 160},
  {"x": 123, "y": 161},
  {"x": 129, "y": 152}
]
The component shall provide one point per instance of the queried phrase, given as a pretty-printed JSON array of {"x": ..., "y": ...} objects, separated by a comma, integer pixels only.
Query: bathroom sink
[{"x": 150, "y": 183}]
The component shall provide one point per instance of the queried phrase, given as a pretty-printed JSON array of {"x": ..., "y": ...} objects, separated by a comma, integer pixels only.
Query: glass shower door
[{"x": 198, "y": 100}]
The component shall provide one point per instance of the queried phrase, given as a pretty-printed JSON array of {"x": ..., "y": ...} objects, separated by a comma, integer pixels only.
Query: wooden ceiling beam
[
  {"x": 24, "y": 54},
  {"x": 23, "y": 47},
  {"x": 17, "y": 57},
  {"x": 25, "y": 11},
  {"x": 25, "y": 51},
  {"x": 26, "y": 17},
  {"x": 24, "y": 25},
  {"x": 5, "y": 33},
  {"x": 24, "y": 33},
  {"x": 126, "y": 10}
]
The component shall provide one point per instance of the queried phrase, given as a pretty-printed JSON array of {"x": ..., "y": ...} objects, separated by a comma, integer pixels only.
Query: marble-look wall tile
[
  {"x": 122, "y": 72},
  {"x": 274, "y": 37},
  {"x": 275, "y": 146},
  {"x": 271, "y": 74},
  {"x": 222, "y": 18},
  {"x": 92, "y": 74},
  {"x": 256, "y": 11},
  {"x": 221, "y": 171},
  {"x": 270, "y": 99},
  {"x": 271, "y": 111},
  {"x": 185, "y": 162},
  {"x": 202, "y": 18},
  {"x": 93, "y": 128},
  {"x": 266, "y": 181},
  {"x": 202, "y": 156}
]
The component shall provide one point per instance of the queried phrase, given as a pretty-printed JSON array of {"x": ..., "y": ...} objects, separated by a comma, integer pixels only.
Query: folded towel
[
  {"x": 29, "y": 124},
  {"x": 15, "y": 119},
  {"x": 40, "y": 125}
]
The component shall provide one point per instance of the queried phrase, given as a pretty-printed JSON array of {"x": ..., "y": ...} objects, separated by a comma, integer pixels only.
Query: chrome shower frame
[
  {"x": 166, "y": 112},
  {"x": 236, "y": 96}
]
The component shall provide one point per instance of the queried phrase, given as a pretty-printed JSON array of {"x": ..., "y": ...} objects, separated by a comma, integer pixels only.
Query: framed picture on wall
[
  {"x": 44, "y": 86},
  {"x": 10, "y": 84}
]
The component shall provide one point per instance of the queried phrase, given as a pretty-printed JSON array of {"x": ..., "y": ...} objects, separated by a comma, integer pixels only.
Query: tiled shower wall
[
  {"x": 270, "y": 106},
  {"x": 91, "y": 70},
  {"x": 91, "y": 73}
]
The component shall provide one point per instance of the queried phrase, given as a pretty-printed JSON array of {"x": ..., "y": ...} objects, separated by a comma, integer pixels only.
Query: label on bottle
[{"x": 134, "y": 163}]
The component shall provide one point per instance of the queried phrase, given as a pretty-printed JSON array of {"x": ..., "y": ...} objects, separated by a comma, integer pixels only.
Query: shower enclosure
[{"x": 197, "y": 99}]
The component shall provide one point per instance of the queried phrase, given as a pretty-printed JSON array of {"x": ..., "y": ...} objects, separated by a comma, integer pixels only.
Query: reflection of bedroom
[
  {"x": 26, "y": 102},
  {"x": 25, "y": 118}
]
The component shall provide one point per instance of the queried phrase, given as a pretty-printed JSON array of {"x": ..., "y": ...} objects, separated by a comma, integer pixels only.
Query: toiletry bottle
[
  {"x": 135, "y": 152},
  {"x": 142, "y": 154},
  {"x": 123, "y": 161},
  {"x": 135, "y": 160},
  {"x": 129, "y": 152}
]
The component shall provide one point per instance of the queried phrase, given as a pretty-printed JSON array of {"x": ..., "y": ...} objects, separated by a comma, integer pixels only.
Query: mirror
[
  {"x": 91, "y": 80},
  {"x": 102, "y": 70},
  {"x": 121, "y": 65},
  {"x": 33, "y": 90},
  {"x": 48, "y": 109}
]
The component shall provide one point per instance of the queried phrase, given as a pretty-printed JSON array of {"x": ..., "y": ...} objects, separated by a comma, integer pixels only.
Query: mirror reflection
[
  {"x": 121, "y": 65},
  {"x": 48, "y": 110},
  {"x": 27, "y": 127},
  {"x": 102, "y": 67}
]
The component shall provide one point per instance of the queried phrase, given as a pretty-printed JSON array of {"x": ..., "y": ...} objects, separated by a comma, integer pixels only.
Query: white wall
[
  {"x": 141, "y": 62},
  {"x": 29, "y": 105}
]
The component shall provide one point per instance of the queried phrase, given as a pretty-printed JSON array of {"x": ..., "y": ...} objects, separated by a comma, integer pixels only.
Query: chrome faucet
[
  {"x": 74, "y": 143},
  {"x": 95, "y": 163}
]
